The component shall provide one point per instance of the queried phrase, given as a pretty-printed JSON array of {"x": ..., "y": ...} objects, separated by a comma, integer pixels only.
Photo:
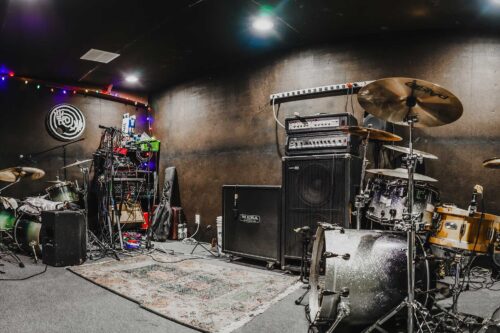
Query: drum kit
[
  {"x": 363, "y": 277},
  {"x": 20, "y": 223}
]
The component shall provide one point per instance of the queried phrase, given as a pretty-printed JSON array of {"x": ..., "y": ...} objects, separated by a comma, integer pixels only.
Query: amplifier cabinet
[
  {"x": 64, "y": 241},
  {"x": 317, "y": 188},
  {"x": 251, "y": 221}
]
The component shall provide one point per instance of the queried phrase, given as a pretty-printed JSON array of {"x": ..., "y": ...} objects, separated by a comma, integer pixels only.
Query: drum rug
[{"x": 207, "y": 295}]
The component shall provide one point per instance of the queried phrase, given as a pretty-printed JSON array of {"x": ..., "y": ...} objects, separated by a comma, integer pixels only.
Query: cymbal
[
  {"x": 406, "y": 150},
  {"x": 401, "y": 173},
  {"x": 388, "y": 99},
  {"x": 12, "y": 174},
  {"x": 375, "y": 134},
  {"x": 76, "y": 163},
  {"x": 54, "y": 181},
  {"x": 492, "y": 163}
]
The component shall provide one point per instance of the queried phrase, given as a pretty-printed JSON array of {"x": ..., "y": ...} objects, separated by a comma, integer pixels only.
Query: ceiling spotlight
[
  {"x": 263, "y": 23},
  {"x": 131, "y": 79}
]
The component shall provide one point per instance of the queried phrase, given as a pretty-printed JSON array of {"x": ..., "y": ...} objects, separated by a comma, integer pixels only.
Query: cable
[
  {"x": 191, "y": 239},
  {"x": 275, "y": 115},
  {"x": 27, "y": 277},
  {"x": 172, "y": 262}
]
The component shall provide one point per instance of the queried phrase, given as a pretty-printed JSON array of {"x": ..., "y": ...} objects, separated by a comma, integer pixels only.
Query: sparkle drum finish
[
  {"x": 370, "y": 263},
  {"x": 389, "y": 201}
]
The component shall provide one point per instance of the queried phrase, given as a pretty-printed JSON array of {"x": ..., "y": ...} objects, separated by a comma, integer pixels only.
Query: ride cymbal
[
  {"x": 400, "y": 173},
  {"x": 12, "y": 174},
  {"x": 375, "y": 134},
  {"x": 492, "y": 163},
  {"x": 390, "y": 99},
  {"x": 406, "y": 150}
]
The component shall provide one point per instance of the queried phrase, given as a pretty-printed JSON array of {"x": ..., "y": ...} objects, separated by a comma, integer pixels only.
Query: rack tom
[{"x": 63, "y": 192}]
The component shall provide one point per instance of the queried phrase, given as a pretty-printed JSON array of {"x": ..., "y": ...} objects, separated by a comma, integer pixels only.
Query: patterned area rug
[{"x": 202, "y": 294}]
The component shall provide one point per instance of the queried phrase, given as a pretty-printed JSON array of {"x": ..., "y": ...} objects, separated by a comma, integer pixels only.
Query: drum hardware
[
  {"x": 305, "y": 232},
  {"x": 414, "y": 103},
  {"x": 366, "y": 134},
  {"x": 343, "y": 309}
]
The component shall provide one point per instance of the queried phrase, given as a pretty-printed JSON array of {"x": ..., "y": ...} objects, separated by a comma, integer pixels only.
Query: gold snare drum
[{"x": 455, "y": 229}]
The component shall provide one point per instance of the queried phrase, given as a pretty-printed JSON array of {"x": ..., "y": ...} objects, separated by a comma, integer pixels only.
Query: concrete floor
[{"x": 60, "y": 301}]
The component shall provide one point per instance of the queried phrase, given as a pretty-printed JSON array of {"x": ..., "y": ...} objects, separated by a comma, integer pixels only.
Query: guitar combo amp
[{"x": 320, "y": 178}]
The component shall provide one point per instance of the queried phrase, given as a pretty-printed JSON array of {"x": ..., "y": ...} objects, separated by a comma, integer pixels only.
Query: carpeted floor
[{"x": 60, "y": 301}]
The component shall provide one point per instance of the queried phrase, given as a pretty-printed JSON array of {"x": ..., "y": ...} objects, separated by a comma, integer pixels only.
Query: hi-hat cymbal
[
  {"x": 76, "y": 163},
  {"x": 12, "y": 174},
  {"x": 390, "y": 98},
  {"x": 375, "y": 134},
  {"x": 406, "y": 150},
  {"x": 401, "y": 173},
  {"x": 492, "y": 163}
]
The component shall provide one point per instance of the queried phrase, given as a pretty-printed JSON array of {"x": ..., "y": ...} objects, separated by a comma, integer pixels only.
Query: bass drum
[
  {"x": 371, "y": 264},
  {"x": 27, "y": 234}
]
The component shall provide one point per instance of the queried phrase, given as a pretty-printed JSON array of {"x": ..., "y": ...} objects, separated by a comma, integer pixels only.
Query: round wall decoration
[{"x": 65, "y": 122}]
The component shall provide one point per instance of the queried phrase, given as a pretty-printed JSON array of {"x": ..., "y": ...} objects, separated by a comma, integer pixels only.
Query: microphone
[{"x": 478, "y": 190}]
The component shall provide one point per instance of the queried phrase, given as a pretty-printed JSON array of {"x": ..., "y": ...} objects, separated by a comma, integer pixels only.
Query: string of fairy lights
[{"x": 86, "y": 91}]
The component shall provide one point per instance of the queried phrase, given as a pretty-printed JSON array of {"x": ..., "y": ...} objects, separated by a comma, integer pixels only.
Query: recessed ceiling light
[
  {"x": 263, "y": 23},
  {"x": 131, "y": 79},
  {"x": 99, "y": 56}
]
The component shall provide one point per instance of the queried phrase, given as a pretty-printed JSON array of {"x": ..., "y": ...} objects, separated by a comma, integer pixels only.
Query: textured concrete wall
[
  {"x": 220, "y": 130},
  {"x": 22, "y": 131}
]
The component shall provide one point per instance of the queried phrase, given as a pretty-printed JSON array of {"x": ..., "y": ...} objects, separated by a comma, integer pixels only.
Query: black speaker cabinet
[
  {"x": 63, "y": 238},
  {"x": 251, "y": 221},
  {"x": 318, "y": 188}
]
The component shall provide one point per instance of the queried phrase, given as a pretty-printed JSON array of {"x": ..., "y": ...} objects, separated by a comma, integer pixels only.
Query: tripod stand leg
[{"x": 381, "y": 321}]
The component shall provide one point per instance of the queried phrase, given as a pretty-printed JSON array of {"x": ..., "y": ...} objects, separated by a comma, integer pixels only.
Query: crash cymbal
[
  {"x": 375, "y": 134},
  {"x": 406, "y": 150},
  {"x": 400, "y": 173},
  {"x": 12, "y": 174},
  {"x": 389, "y": 99},
  {"x": 76, "y": 163},
  {"x": 492, "y": 163}
]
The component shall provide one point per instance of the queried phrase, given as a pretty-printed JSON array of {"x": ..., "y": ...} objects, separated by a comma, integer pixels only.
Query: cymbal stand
[
  {"x": 362, "y": 198},
  {"x": 414, "y": 308}
]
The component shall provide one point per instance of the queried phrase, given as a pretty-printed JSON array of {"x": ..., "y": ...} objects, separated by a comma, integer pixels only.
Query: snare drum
[
  {"x": 63, "y": 192},
  {"x": 456, "y": 230},
  {"x": 389, "y": 201}
]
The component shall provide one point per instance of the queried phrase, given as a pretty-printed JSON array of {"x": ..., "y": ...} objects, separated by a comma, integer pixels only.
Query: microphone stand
[{"x": 63, "y": 146}]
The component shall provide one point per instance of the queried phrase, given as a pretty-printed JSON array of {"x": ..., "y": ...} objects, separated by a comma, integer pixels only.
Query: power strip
[{"x": 316, "y": 92}]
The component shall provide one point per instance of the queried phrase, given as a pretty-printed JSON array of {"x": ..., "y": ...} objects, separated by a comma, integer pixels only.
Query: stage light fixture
[
  {"x": 263, "y": 23},
  {"x": 131, "y": 78}
]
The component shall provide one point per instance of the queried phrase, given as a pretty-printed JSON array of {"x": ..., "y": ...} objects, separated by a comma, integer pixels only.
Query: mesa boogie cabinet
[{"x": 252, "y": 222}]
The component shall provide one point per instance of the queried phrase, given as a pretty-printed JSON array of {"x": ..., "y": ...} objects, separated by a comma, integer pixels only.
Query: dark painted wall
[
  {"x": 220, "y": 130},
  {"x": 22, "y": 130}
]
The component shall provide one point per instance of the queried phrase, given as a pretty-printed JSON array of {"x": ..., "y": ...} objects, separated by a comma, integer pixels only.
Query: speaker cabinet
[
  {"x": 63, "y": 238},
  {"x": 251, "y": 221},
  {"x": 319, "y": 188}
]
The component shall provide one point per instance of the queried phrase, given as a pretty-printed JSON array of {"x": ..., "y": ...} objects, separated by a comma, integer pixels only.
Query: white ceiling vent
[{"x": 99, "y": 56}]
